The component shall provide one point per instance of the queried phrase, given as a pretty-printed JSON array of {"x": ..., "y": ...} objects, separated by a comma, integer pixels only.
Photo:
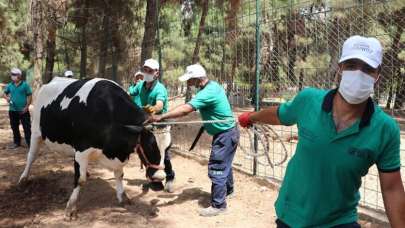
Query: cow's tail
[{"x": 35, "y": 142}]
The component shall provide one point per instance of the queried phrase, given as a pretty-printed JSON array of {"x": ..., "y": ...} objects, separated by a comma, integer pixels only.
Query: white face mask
[
  {"x": 356, "y": 86},
  {"x": 148, "y": 77},
  {"x": 14, "y": 78}
]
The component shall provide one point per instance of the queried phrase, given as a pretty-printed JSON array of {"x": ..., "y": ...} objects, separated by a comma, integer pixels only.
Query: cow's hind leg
[
  {"x": 71, "y": 209},
  {"x": 121, "y": 195},
  {"x": 36, "y": 140},
  {"x": 81, "y": 162}
]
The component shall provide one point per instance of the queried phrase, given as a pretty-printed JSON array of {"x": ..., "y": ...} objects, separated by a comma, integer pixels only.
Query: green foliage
[{"x": 12, "y": 37}]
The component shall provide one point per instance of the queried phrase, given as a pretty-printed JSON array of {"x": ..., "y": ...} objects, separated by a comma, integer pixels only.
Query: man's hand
[
  {"x": 244, "y": 119},
  {"x": 155, "y": 118},
  {"x": 149, "y": 109},
  {"x": 7, "y": 99},
  {"x": 26, "y": 108}
]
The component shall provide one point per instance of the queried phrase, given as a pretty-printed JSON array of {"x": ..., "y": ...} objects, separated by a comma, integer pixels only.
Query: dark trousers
[
  {"x": 220, "y": 166},
  {"x": 168, "y": 165},
  {"x": 281, "y": 224},
  {"x": 25, "y": 119}
]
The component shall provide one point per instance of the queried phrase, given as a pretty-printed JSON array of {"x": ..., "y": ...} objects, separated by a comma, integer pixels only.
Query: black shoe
[{"x": 14, "y": 146}]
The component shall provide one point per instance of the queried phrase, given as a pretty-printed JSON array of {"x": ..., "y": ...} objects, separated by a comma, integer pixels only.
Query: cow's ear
[{"x": 134, "y": 129}]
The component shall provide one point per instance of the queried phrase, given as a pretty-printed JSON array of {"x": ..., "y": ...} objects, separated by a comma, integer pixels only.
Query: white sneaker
[{"x": 211, "y": 211}]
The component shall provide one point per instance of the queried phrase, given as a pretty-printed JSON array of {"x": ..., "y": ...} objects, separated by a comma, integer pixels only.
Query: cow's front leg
[{"x": 121, "y": 195}]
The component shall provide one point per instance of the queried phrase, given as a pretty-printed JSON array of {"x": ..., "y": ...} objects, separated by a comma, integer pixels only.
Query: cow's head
[{"x": 149, "y": 153}]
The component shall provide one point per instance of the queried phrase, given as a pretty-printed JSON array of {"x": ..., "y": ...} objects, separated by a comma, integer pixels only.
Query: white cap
[
  {"x": 151, "y": 63},
  {"x": 367, "y": 49},
  {"x": 68, "y": 73},
  {"x": 15, "y": 71},
  {"x": 138, "y": 73},
  {"x": 193, "y": 71}
]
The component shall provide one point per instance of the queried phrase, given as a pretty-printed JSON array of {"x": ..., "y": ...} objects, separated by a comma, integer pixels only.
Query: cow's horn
[{"x": 134, "y": 129}]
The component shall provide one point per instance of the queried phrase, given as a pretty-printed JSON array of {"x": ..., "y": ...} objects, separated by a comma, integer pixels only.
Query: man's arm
[
  {"x": 7, "y": 97},
  {"x": 394, "y": 197},
  {"x": 179, "y": 111},
  {"x": 29, "y": 100},
  {"x": 6, "y": 94},
  {"x": 266, "y": 116},
  {"x": 133, "y": 90},
  {"x": 158, "y": 107}
]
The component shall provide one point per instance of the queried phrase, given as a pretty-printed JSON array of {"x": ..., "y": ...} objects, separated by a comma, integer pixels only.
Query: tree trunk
[
  {"x": 291, "y": 48},
  {"x": 50, "y": 53},
  {"x": 83, "y": 40},
  {"x": 114, "y": 64},
  {"x": 148, "y": 42},
  {"x": 196, "y": 57},
  {"x": 196, "y": 53},
  {"x": 104, "y": 45},
  {"x": 400, "y": 90},
  {"x": 274, "y": 59},
  {"x": 389, "y": 100},
  {"x": 36, "y": 26}
]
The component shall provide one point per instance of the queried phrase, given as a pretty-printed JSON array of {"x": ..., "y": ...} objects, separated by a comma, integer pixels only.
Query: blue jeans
[{"x": 223, "y": 150}]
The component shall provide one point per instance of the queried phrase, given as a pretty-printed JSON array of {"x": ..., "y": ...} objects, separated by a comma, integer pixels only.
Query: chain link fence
[{"x": 299, "y": 47}]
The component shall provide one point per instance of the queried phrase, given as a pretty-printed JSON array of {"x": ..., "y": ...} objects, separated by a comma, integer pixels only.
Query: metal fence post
[{"x": 257, "y": 105}]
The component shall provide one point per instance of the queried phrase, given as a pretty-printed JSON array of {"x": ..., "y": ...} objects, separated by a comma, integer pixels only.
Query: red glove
[{"x": 244, "y": 119}]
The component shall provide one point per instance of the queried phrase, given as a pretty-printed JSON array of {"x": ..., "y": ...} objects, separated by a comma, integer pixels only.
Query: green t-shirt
[
  {"x": 322, "y": 180},
  {"x": 18, "y": 95},
  {"x": 136, "y": 99},
  {"x": 149, "y": 96},
  {"x": 213, "y": 104}
]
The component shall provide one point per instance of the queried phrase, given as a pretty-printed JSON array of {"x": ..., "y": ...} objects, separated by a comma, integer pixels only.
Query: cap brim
[
  {"x": 151, "y": 67},
  {"x": 370, "y": 62},
  {"x": 184, "y": 77}
]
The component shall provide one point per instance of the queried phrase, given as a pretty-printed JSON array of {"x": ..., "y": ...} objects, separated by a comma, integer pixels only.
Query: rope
[
  {"x": 194, "y": 122},
  {"x": 256, "y": 130}
]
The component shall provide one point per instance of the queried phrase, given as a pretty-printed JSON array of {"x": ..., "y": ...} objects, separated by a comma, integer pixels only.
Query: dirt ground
[{"x": 41, "y": 201}]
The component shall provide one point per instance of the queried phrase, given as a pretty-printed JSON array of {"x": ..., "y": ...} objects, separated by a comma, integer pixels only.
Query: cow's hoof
[
  {"x": 22, "y": 179},
  {"x": 82, "y": 180},
  {"x": 70, "y": 215},
  {"x": 124, "y": 200}
]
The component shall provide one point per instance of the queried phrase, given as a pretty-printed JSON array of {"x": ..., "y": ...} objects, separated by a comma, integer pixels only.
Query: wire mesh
[{"x": 300, "y": 47}]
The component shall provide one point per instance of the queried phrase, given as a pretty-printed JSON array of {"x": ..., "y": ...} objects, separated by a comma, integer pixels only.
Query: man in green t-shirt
[
  {"x": 342, "y": 133},
  {"x": 213, "y": 104},
  {"x": 18, "y": 95},
  {"x": 153, "y": 98},
  {"x": 137, "y": 78}
]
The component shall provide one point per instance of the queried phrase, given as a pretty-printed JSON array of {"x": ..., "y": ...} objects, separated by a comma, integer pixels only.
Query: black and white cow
[{"x": 92, "y": 119}]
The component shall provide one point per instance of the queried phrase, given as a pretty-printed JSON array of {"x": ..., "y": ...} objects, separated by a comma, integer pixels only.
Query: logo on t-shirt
[{"x": 360, "y": 152}]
